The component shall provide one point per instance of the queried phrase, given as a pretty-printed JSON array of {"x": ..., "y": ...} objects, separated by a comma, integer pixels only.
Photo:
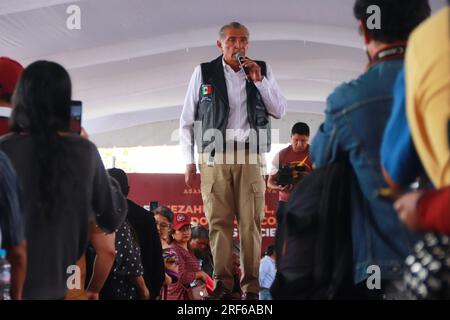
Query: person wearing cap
[
  {"x": 188, "y": 265},
  {"x": 10, "y": 72}
]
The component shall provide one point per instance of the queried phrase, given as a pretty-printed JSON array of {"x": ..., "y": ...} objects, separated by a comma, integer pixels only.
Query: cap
[
  {"x": 10, "y": 72},
  {"x": 180, "y": 220}
]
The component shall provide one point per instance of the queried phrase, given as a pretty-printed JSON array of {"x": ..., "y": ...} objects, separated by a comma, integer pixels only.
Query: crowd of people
[{"x": 60, "y": 207}]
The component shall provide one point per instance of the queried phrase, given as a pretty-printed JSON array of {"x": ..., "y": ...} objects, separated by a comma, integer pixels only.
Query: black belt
[{"x": 237, "y": 146}]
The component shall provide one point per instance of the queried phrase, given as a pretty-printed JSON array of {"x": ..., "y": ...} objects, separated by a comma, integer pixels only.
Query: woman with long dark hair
[{"x": 64, "y": 182}]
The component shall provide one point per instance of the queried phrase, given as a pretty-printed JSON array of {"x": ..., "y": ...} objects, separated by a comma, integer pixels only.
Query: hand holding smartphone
[{"x": 75, "y": 116}]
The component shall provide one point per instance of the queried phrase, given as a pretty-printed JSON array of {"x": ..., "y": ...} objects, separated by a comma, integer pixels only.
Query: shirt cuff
[
  {"x": 189, "y": 160},
  {"x": 188, "y": 157},
  {"x": 263, "y": 84}
]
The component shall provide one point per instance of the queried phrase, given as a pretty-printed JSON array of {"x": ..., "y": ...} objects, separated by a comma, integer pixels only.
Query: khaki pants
[{"x": 229, "y": 191}]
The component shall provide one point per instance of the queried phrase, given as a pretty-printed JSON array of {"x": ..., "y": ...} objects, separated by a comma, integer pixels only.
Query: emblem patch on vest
[{"x": 206, "y": 90}]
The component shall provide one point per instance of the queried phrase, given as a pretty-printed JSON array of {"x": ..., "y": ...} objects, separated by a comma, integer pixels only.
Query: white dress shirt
[{"x": 271, "y": 94}]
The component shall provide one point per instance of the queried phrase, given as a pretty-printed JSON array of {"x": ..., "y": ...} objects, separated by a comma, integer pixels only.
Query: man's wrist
[
  {"x": 191, "y": 167},
  {"x": 260, "y": 83}
]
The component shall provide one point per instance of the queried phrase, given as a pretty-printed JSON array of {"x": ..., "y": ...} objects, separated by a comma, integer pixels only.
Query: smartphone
[
  {"x": 153, "y": 205},
  {"x": 76, "y": 109}
]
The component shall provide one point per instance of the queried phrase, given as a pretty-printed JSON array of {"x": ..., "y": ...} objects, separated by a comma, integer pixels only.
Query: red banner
[{"x": 170, "y": 191}]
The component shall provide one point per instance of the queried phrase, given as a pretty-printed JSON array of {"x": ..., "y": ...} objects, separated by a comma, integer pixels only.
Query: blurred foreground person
[{"x": 63, "y": 178}]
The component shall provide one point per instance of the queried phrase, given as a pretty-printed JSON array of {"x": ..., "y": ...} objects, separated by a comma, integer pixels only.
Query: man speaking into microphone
[{"x": 225, "y": 108}]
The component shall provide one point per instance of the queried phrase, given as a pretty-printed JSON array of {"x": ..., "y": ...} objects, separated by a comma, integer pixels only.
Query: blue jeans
[{"x": 264, "y": 294}]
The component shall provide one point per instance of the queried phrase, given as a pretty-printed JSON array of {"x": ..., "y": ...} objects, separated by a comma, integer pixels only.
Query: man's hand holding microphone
[{"x": 251, "y": 68}]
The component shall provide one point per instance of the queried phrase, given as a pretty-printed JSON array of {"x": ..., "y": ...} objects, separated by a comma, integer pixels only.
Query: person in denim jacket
[{"x": 355, "y": 118}]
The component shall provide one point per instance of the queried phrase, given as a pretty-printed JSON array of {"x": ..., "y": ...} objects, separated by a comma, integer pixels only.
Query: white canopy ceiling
[{"x": 131, "y": 61}]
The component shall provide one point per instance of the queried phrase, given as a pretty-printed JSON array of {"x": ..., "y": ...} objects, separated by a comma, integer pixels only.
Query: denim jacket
[
  {"x": 12, "y": 230},
  {"x": 355, "y": 118}
]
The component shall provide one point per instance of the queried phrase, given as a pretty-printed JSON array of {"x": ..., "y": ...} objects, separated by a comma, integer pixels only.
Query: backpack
[{"x": 314, "y": 248}]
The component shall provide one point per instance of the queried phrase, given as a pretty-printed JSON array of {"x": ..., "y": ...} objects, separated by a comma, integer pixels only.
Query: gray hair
[
  {"x": 233, "y": 25},
  {"x": 165, "y": 212}
]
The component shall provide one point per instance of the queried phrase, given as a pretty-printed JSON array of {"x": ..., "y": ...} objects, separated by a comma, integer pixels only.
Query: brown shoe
[
  {"x": 250, "y": 296},
  {"x": 220, "y": 293}
]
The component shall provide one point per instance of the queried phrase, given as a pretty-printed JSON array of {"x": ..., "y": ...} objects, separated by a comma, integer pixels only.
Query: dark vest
[{"x": 213, "y": 110}]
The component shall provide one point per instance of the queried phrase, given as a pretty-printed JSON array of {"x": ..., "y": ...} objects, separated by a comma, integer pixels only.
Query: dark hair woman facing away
[{"x": 65, "y": 185}]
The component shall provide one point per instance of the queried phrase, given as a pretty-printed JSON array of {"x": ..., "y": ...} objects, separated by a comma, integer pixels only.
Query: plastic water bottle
[{"x": 5, "y": 276}]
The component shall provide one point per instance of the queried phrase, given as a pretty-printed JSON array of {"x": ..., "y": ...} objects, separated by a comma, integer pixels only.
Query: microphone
[{"x": 239, "y": 57}]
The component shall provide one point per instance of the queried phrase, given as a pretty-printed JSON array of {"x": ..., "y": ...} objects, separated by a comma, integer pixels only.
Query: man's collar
[
  {"x": 383, "y": 53},
  {"x": 227, "y": 68},
  {"x": 386, "y": 47}
]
